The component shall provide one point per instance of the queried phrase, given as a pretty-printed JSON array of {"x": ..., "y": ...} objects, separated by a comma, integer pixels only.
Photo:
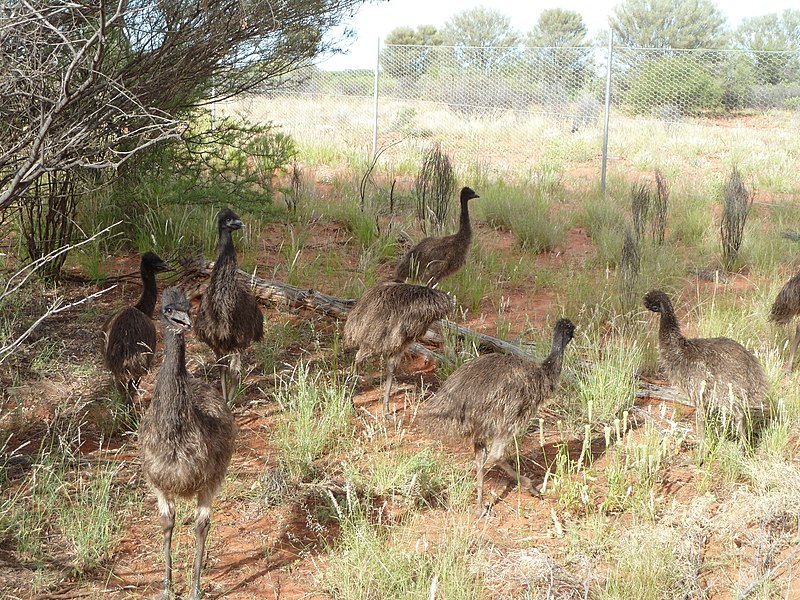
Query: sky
[{"x": 375, "y": 20}]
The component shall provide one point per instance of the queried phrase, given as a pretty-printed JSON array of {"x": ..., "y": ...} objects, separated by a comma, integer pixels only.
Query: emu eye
[{"x": 169, "y": 310}]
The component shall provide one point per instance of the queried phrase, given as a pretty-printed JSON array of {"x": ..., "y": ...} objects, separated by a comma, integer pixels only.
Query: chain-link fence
[{"x": 525, "y": 111}]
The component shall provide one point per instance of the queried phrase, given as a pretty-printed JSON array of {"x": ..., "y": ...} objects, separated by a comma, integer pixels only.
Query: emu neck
[
  {"x": 147, "y": 301},
  {"x": 669, "y": 331},
  {"x": 555, "y": 360},
  {"x": 171, "y": 397},
  {"x": 225, "y": 268},
  {"x": 465, "y": 228},
  {"x": 173, "y": 367}
]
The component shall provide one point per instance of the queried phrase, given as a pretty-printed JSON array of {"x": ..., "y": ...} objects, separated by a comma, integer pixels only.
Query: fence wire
[{"x": 527, "y": 110}]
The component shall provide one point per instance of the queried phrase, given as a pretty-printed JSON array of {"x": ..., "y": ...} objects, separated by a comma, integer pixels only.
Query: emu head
[
  {"x": 175, "y": 310},
  {"x": 564, "y": 330},
  {"x": 152, "y": 262},
  {"x": 228, "y": 220},
  {"x": 467, "y": 193},
  {"x": 657, "y": 301}
]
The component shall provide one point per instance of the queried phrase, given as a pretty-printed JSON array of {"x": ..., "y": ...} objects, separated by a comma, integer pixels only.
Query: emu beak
[
  {"x": 163, "y": 266},
  {"x": 236, "y": 224},
  {"x": 181, "y": 320}
]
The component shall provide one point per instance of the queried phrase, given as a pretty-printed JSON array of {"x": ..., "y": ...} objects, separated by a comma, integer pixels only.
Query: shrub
[{"x": 677, "y": 80}]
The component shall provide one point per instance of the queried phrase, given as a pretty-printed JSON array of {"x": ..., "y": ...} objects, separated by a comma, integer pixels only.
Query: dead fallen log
[
  {"x": 270, "y": 291},
  {"x": 281, "y": 293}
]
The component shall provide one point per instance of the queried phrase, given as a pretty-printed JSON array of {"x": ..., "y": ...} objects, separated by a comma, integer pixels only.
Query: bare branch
[
  {"x": 7, "y": 349},
  {"x": 18, "y": 279}
]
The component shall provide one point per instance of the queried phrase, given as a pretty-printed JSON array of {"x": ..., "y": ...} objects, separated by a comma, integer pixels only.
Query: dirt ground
[{"x": 257, "y": 551}]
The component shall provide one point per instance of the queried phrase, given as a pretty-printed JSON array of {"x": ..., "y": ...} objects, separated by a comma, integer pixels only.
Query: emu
[
  {"x": 716, "y": 373},
  {"x": 434, "y": 258},
  {"x": 186, "y": 438},
  {"x": 490, "y": 400},
  {"x": 129, "y": 335},
  {"x": 228, "y": 319},
  {"x": 785, "y": 308},
  {"x": 388, "y": 318}
]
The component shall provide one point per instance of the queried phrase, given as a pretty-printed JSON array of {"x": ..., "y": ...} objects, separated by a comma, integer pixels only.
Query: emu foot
[
  {"x": 526, "y": 484},
  {"x": 480, "y": 510}
]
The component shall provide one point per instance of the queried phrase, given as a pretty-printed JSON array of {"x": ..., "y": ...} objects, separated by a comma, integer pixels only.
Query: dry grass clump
[
  {"x": 433, "y": 189},
  {"x": 736, "y": 203}
]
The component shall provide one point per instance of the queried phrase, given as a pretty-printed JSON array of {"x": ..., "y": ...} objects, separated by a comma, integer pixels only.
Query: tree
[
  {"x": 86, "y": 86},
  {"x": 669, "y": 24},
  {"x": 774, "y": 41},
  {"x": 555, "y": 47},
  {"x": 408, "y": 53},
  {"x": 483, "y": 39}
]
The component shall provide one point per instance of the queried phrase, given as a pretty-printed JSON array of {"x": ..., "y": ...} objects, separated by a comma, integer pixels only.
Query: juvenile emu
[
  {"x": 491, "y": 399},
  {"x": 388, "y": 318},
  {"x": 186, "y": 438},
  {"x": 434, "y": 258},
  {"x": 129, "y": 336},
  {"x": 785, "y": 308},
  {"x": 716, "y": 373},
  {"x": 228, "y": 319}
]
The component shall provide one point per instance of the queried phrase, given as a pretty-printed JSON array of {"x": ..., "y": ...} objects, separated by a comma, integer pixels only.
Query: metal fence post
[
  {"x": 375, "y": 103},
  {"x": 608, "y": 108}
]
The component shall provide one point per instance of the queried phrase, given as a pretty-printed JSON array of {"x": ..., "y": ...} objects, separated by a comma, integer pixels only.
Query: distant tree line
[{"x": 678, "y": 54}]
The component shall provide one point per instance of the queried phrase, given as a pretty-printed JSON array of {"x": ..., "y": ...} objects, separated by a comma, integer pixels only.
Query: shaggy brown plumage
[
  {"x": 434, "y": 258},
  {"x": 186, "y": 438},
  {"x": 493, "y": 398},
  {"x": 228, "y": 319},
  {"x": 388, "y": 318},
  {"x": 129, "y": 336},
  {"x": 785, "y": 308},
  {"x": 716, "y": 373}
]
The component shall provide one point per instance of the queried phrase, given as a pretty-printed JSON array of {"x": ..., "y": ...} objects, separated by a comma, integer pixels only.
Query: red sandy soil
[{"x": 275, "y": 552}]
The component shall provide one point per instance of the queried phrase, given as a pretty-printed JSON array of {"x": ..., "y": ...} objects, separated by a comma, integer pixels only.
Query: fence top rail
[{"x": 603, "y": 46}]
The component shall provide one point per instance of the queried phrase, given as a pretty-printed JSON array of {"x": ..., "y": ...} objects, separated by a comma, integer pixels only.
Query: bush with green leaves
[{"x": 677, "y": 80}]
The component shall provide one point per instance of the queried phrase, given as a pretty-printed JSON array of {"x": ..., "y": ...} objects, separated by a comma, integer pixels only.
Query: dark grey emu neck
[
  {"x": 555, "y": 360},
  {"x": 669, "y": 330},
  {"x": 464, "y": 229},
  {"x": 171, "y": 397},
  {"x": 223, "y": 276},
  {"x": 147, "y": 301}
]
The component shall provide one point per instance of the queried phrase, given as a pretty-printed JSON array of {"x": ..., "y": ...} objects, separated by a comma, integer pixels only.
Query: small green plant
[
  {"x": 606, "y": 380},
  {"x": 63, "y": 501},
  {"x": 651, "y": 564},
  {"x": 525, "y": 210},
  {"x": 416, "y": 479},
  {"x": 316, "y": 420},
  {"x": 372, "y": 560}
]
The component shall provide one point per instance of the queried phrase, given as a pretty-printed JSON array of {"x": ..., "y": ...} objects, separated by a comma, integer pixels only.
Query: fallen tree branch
[
  {"x": 768, "y": 575},
  {"x": 284, "y": 294},
  {"x": 196, "y": 272}
]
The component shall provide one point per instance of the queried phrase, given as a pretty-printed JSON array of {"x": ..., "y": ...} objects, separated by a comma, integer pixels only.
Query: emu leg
[
  {"x": 391, "y": 364},
  {"x": 222, "y": 366},
  {"x": 166, "y": 510},
  {"x": 795, "y": 343},
  {"x": 480, "y": 461},
  {"x": 497, "y": 457},
  {"x": 234, "y": 373},
  {"x": 201, "y": 527}
]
